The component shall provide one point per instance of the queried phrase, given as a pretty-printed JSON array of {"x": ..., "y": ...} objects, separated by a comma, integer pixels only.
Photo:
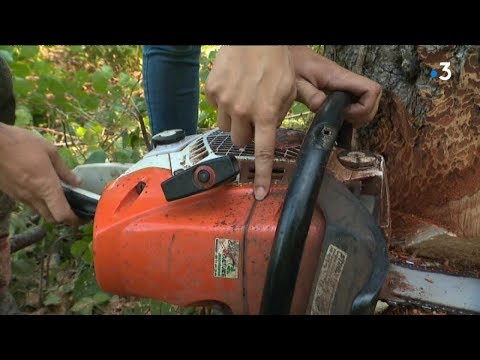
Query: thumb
[
  {"x": 62, "y": 170},
  {"x": 310, "y": 95}
]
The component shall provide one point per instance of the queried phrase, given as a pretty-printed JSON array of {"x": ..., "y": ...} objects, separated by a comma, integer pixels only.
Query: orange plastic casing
[{"x": 147, "y": 247}]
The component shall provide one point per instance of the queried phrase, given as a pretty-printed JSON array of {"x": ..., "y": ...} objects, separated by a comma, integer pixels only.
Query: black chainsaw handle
[{"x": 296, "y": 216}]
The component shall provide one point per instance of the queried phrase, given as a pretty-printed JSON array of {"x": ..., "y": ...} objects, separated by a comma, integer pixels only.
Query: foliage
[{"x": 88, "y": 101}]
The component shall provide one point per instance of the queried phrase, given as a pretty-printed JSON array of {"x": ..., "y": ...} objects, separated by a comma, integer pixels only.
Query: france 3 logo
[{"x": 447, "y": 74}]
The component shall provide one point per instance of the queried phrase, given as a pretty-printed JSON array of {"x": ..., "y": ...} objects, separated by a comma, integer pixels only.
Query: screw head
[
  {"x": 356, "y": 160},
  {"x": 203, "y": 176}
]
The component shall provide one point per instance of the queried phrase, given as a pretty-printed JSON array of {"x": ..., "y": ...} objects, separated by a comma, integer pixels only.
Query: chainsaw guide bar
[{"x": 410, "y": 286}]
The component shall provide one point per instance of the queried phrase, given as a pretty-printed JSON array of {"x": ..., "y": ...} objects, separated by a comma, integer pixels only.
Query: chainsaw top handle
[{"x": 297, "y": 212}]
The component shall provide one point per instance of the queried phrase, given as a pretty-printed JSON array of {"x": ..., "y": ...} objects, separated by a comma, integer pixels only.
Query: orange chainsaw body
[{"x": 210, "y": 247}]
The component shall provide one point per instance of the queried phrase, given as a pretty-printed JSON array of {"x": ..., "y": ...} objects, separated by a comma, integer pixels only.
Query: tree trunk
[{"x": 426, "y": 128}]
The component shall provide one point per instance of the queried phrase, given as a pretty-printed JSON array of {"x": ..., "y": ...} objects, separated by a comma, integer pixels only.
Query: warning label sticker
[
  {"x": 226, "y": 258},
  {"x": 327, "y": 283}
]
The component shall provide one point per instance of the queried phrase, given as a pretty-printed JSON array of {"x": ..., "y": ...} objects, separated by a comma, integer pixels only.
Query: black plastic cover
[
  {"x": 82, "y": 204},
  {"x": 195, "y": 180}
]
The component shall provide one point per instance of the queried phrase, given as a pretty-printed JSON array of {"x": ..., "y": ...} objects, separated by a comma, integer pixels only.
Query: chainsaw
[{"x": 182, "y": 226}]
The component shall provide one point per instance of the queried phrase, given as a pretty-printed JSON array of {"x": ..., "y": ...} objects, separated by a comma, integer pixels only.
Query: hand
[
  {"x": 316, "y": 76},
  {"x": 253, "y": 88},
  {"x": 30, "y": 172}
]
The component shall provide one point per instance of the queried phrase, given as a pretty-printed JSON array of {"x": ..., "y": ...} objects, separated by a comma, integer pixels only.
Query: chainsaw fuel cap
[
  {"x": 168, "y": 137},
  {"x": 201, "y": 177}
]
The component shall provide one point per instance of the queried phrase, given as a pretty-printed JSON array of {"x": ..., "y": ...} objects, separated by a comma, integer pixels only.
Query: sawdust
[
  {"x": 439, "y": 252},
  {"x": 405, "y": 226},
  {"x": 433, "y": 263},
  {"x": 457, "y": 251}
]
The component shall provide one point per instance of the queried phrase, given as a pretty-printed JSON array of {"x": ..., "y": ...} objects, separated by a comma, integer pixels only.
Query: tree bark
[{"x": 426, "y": 128}]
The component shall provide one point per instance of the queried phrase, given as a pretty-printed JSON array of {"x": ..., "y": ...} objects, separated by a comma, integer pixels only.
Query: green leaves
[
  {"x": 78, "y": 248},
  {"x": 81, "y": 77},
  {"x": 20, "y": 69},
  {"x": 154, "y": 307},
  {"x": 28, "y": 52},
  {"x": 42, "y": 67},
  {"x": 22, "y": 86},
  {"x": 107, "y": 71},
  {"x": 68, "y": 157},
  {"x": 85, "y": 306},
  {"x": 123, "y": 79},
  {"x": 85, "y": 284},
  {"x": 23, "y": 116},
  {"x": 101, "y": 297},
  {"x": 88, "y": 254},
  {"x": 52, "y": 299},
  {"x": 83, "y": 248},
  {"x": 100, "y": 79},
  {"x": 6, "y": 55},
  {"x": 298, "y": 108},
  {"x": 131, "y": 140},
  {"x": 123, "y": 155},
  {"x": 77, "y": 48},
  {"x": 100, "y": 82},
  {"x": 80, "y": 131},
  {"x": 98, "y": 156}
]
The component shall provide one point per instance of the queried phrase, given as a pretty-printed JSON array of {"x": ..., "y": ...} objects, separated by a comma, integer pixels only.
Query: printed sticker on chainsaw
[
  {"x": 226, "y": 258},
  {"x": 332, "y": 269}
]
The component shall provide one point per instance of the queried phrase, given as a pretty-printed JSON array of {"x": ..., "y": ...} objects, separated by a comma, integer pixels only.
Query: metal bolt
[{"x": 356, "y": 160}]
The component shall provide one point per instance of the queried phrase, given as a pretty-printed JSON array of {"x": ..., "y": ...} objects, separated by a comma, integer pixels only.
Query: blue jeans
[{"x": 172, "y": 86}]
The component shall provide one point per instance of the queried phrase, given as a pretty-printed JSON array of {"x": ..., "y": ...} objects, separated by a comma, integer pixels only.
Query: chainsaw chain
[
  {"x": 410, "y": 303},
  {"x": 422, "y": 268}
]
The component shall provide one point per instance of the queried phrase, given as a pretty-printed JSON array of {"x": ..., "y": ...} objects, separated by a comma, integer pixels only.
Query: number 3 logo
[{"x": 447, "y": 70}]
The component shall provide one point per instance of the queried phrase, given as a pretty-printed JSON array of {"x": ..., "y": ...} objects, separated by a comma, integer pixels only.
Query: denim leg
[{"x": 172, "y": 86}]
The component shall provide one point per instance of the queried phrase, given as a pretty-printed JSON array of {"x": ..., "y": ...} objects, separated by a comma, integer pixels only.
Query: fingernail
[{"x": 260, "y": 193}]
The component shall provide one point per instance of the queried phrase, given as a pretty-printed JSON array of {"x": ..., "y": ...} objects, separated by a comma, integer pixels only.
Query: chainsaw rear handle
[
  {"x": 82, "y": 202},
  {"x": 297, "y": 212}
]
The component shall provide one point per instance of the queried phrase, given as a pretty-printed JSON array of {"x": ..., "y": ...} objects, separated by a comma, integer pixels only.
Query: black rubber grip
[
  {"x": 82, "y": 205},
  {"x": 299, "y": 204}
]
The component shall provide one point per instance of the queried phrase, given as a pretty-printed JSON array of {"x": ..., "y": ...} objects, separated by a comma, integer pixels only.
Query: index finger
[
  {"x": 265, "y": 136},
  {"x": 367, "y": 91},
  {"x": 366, "y": 107}
]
